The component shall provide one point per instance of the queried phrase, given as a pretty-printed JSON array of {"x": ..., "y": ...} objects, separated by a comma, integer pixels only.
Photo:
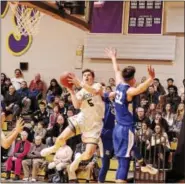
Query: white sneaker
[
  {"x": 148, "y": 168},
  {"x": 33, "y": 180},
  {"x": 48, "y": 151},
  {"x": 25, "y": 179}
]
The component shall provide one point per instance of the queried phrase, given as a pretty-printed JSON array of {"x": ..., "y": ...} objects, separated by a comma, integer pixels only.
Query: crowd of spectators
[{"x": 158, "y": 114}]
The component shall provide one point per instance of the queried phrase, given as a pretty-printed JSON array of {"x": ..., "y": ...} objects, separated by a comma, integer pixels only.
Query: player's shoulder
[{"x": 122, "y": 86}]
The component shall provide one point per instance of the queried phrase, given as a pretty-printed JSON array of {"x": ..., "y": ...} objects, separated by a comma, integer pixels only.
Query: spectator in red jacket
[{"x": 20, "y": 152}]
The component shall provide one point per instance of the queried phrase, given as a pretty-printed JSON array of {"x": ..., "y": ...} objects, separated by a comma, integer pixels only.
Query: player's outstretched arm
[
  {"x": 142, "y": 87},
  {"x": 6, "y": 142},
  {"x": 111, "y": 53}
]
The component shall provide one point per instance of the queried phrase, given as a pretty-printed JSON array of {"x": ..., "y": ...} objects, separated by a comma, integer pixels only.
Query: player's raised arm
[
  {"x": 142, "y": 87},
  {"x": 111, "y": 53},
  {"x": 95, "y": 91}
]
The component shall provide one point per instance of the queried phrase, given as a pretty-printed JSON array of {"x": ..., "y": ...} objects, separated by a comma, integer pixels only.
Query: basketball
[{"x": 64, "y": 79}]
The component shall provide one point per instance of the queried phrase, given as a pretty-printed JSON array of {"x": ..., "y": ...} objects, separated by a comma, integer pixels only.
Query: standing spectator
[
  {"x": 12, "y": 102},
  {"x": 20, "y": 152},
  {"x": 181, "y": 90},
  {"x": 33, "y": 159},
  {"x": 18, "y": 79},
  {"x": 112, "y": 84},
  {"x": 173, "y": 98},
  {"x": 158, "y": 87},
  {"x": 53, "y": 90},
  {"x": 153, "y": 96},
  {"x": 24, "y": 93}
]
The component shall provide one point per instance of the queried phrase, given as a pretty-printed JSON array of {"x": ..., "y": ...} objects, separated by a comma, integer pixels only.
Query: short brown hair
[
  {"x": 128, "y": 73},
  {"x": 88, "y": 70}
]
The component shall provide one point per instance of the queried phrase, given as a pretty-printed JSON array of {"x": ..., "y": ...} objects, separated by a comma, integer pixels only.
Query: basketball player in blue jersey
[
  {"x": 106, "y": 135},
  {"x": 123, "y": 134}
]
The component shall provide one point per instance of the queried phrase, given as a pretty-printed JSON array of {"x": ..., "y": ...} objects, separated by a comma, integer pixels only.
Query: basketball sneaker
[{"x": 148, "y": 168}]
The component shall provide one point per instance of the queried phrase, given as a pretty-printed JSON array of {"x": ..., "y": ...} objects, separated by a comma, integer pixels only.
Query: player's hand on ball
[
  {"x": 74, "y": 80},
  {"x": 111, "y": 52},
  {"x": 151, "y": 72},
  {"x": 19, "y": 125}
]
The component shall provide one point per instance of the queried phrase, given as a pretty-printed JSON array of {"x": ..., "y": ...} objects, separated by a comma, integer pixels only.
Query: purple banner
[
  {"x": 145, "y": 17},
  {"x": 108, "y": 18}
]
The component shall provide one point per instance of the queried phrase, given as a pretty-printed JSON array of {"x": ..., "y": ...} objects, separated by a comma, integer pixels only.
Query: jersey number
[
  {"x": 90, "y": 102},
  {"x": 119, "y": 95}
]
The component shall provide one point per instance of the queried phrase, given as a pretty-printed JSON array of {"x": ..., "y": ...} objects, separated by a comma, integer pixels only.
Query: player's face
[{"x": 88, "y": 78}]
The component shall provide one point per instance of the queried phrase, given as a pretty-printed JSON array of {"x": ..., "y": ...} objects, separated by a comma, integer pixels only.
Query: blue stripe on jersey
[{"x": 123, "y": 116}]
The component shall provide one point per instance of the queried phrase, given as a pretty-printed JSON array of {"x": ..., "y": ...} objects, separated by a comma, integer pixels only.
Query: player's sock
[{"x": 74, "y": 165}]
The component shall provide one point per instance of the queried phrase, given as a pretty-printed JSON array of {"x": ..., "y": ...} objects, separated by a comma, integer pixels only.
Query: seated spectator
[
  {"x": 69, "y": 101},
  {"x": 181, "y": 90},
  {"x": 39, "y": 130},
  {"x": 182, "y": 98},
  {"x": 170, "y": 82},
  {"x": 151, "y": 112},
  {"x": 63, "y": 108},
  {"x": 178, "y": 119},
  {"x": 53, "y": 117},
  {"x": 24, "y": 94},
  {"x": 37, "y": 85},
  {"x": 152, "y": 96},
  {"x": 143, "y": 79},
  {"x": 5, "y": 87},
  {"x": 33, "y": 160},
  {"x": 140, "y": 117},
  {"x": 18, "y": 79},
  {"x": 112, "y": 84},
  {"x": 41, "y": 114},
  {"x": 108, "y": 89},
  {"x": 143, "y": 102},
  {"x": 143, "y": 137},
  {"x": 160, "y": 148},
  {"x": 3, "y": 78},
  {"x": 53, "y": 90},
  {"x": 159, "y": 120},
  {"x": 62, "y": 158},
  {"x": 56, "y": 100},
  {"x": 86, "y": 166},
  {"x": 12, "y": 102},
  {"x": 20, "y": 152},
  {"x": 173, "y": 98},
  {"x": 168, "y": 116},
  {"x": 158, "y": 87},
  {"x": 56, "y": 130}
]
